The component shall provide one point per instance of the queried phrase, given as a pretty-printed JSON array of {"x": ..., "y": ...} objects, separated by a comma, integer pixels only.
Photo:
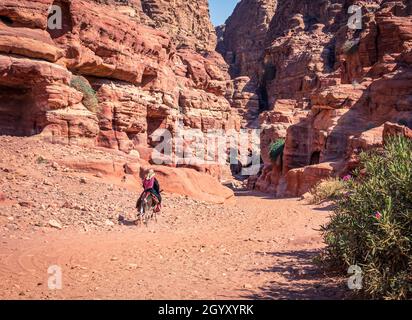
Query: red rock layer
[
  {"x": 328, "y": 89},
  {"x": 144, "y": 78}
]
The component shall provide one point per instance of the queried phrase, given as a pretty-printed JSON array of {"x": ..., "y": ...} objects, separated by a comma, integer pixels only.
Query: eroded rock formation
[
  {"x": 110, "y": 73},
  {"x": 187, "y": 22},
  {"x": 243, "y": 39},
  {"x": 118, "y": 70},
  {"x": 328, "y": 89},
  {"x": 144, "y": 78}
]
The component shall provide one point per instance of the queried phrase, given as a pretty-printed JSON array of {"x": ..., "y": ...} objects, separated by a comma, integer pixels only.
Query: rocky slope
[
  {"x": 43, "y": 183},
  {"x": 325, "y": 88}
]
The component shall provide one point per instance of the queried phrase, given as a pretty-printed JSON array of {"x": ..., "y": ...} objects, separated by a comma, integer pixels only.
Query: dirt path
[{"x": 256, "y": 248}]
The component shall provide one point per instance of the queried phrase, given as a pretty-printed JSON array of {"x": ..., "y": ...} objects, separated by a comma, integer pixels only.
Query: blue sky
[{"x": 220, "y": 10}]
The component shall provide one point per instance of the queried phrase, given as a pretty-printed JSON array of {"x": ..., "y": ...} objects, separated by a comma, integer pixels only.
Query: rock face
[
  {"x": 124, "y": 168},
  {"x": 243, "y": 38},
  {"x": 113, "y": 72},
  {"x": 110, "y": 73},
  {"x": 194, "y": 184},
  {"x": 327, "y": 89},
  {"x": 143, "y": 78},
  {"x": 241, "y": 41},
  {"x": 186, "y": 21}
]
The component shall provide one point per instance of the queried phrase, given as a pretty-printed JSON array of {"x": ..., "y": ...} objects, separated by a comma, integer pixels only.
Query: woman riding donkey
[{"x": 150, "y": 184}]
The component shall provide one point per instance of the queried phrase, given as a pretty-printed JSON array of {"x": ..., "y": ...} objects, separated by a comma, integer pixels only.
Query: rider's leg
[
  {"x": 158, "y": 196},
  {"x": 158, "y": 199},
  {"x": 159, "y": 203}
]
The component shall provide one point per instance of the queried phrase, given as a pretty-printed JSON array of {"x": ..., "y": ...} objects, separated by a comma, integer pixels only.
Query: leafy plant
[
  {"x": 89, "y": 95},
  {"x": 329, "y": 189},
  {"x": 276, "y": 149},
  {"x": 41, "y": 160},
  {"x": 372, "y": 224}
]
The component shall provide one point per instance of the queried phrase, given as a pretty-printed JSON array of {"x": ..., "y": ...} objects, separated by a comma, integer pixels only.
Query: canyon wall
[
  {"x": 325, "y": 87},
  {"x": 116, "y": 71},
  {"x": 113, "y": 73},
  {"x": 187, "y": 22},
  {"x": 243, "y": 39}
]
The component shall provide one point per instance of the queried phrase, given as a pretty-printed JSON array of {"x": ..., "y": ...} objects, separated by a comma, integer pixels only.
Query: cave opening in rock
[
  {"x": 270, "y": 73},
  {"x": 148, "y": 78},
  {"x": 59, "y": 21},
  {"x": 233, "y": 58},
  {"x": 315, "y": 158},
  {"x": 6, "y": 20},
  {"x": 268, "y": 76},
  {"x": 154, "y": 123},
  {"x": 309, "y": 22},
  {"x": 150, "y": 74},
  {"x": 263, "y": 98},
  {"x": 331, "y": 57},
  {"x": 17, "y": 113}
]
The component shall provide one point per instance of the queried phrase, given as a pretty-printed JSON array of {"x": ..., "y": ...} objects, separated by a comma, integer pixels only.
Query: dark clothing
[
  {"x": 156, "y": 190},
  {"x": 157, "y": 195}
]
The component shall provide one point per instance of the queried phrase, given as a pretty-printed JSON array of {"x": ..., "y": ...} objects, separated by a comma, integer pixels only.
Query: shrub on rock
[
  {"x": 89, "y": 95},
  {"x": 276, "y": 149}
]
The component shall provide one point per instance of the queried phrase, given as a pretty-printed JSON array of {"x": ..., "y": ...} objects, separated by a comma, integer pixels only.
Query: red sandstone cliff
[
  {"x": 293, "y": 69},
  {"x": 144, "y": 78},
  {"x": 327, "y": 89},
  {"x": 187, "y": 22},
  {"x": 243, "y": 38}
]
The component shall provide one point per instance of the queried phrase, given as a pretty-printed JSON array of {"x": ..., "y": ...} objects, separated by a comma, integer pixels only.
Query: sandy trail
[{"x": 260, "y": 248}]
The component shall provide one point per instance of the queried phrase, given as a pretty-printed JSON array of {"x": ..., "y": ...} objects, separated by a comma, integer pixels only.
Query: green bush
[
  {"x": 276, "y": 149},
  {"x": 89, "y": 95},
  {"x": 372, "y": 223}
]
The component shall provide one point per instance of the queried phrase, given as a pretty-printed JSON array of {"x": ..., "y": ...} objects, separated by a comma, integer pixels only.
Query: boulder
[
  {"x": 301, "y": 180},
  {"x": 393, "y": 129},
  {"x": 191, "y": 183}
]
